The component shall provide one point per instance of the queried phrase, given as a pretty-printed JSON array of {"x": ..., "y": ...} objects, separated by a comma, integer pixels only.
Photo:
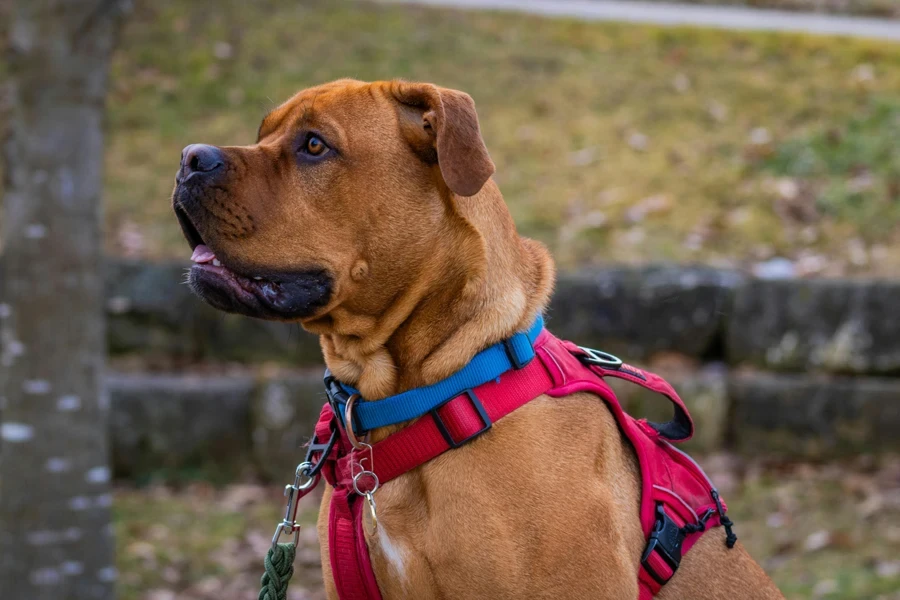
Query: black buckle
[
  {"x": 666, "y": 539},
  {"x": 513, "y": 357},
  {"x": 336, "y": 394},
  {"x": 599, "y": 358},
  {"x": 442, "y": 427},
  {"x": 325, "y": 449},
  {"x": 337, "y": 399}
]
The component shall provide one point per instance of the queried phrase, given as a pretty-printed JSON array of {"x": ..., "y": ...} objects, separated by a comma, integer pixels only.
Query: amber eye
[{"x": 315, "y": 146}]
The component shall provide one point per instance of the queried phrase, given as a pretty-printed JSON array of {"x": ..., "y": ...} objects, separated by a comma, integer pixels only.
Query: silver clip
[
  {"x": 292, "y": 491},
  {"x": 370, "y": 500},
  {"x": 369, "y": 493}
]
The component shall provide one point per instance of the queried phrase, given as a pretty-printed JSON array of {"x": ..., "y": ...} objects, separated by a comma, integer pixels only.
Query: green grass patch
[
  {"x": 612, "y": 142},
  {"x": 853, "y": 168}
]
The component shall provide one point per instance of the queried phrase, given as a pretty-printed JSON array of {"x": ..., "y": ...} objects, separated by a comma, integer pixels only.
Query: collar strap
[{"x": 512, "y": 353}]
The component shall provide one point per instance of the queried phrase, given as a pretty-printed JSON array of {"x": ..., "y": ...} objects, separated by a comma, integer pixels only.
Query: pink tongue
[{"x": 202, "y": 254}]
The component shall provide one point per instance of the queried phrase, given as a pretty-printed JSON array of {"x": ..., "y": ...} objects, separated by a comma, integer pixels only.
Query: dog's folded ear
[{"x": 443, "y": 126}]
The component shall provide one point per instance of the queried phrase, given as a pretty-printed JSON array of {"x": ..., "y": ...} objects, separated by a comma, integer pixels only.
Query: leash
[
  {"x": 279, "y": 565},
  {"x": 279, "y": 560}
]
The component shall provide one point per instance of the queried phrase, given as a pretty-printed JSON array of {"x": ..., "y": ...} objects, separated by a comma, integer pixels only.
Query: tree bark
[{"x": 56, "y": 538}]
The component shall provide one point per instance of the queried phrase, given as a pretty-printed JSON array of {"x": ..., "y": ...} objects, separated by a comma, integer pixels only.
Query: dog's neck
[{"x": 481, "y": 284}]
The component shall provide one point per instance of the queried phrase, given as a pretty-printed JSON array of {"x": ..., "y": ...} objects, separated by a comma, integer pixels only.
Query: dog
[{"x": 366, "y": 212}]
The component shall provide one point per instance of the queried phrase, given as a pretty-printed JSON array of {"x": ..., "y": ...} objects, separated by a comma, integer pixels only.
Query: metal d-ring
[
  {"x": 348, "y": 422},
  {"x": 599, "y": 358},
  {"x": 369, "y": 496},
  {"x": 356, "y": 483},
  {"x": 303, "y": 471}
]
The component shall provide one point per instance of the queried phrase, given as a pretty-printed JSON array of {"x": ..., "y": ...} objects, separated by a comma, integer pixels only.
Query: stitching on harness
[
  {"x": 679, "y": 498},
  {"x": 559, "y": 369}
]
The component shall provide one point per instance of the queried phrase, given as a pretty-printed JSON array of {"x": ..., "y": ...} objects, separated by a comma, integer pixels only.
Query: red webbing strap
[
  {"x": 401, "y": 452},
  {"x": 422, "y": 441},
  {"x": 350, "y": 562},
  {"x": 649, "y": 587},
  {"x": 461, "y": 418},
  {"x": 652, "y": 382},
  {"x": 348, "y": 553}
]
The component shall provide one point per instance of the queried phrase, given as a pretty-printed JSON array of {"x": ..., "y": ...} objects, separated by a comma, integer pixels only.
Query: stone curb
[
  {"x": 833, "y": 326},
  {"x": 813, "y": 416},
  {"x": 164, "y": 424}
]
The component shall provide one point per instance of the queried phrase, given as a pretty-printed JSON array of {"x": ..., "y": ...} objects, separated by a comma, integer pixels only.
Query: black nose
[{"x": 200, "y": 158}]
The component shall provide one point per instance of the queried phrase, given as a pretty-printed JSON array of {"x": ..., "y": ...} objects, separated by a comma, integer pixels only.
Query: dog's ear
[{"x": 442, "y": 125}]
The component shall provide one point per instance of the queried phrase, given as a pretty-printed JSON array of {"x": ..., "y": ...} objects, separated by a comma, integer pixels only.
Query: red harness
[{"x": 678, "y": 502}]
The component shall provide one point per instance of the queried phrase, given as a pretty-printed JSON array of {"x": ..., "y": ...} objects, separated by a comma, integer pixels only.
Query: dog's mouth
[{"x": 264, "y": 293}]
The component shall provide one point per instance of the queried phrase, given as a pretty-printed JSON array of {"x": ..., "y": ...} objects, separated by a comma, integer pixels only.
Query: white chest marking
[{"x": 395, "y": 554}]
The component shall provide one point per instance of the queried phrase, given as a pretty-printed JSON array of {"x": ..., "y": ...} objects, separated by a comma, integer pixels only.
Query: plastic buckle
[
  {"x": 336, "y": 394},
  {"x": 325, "y": 449},
  {"x": 514, "y": 359},
  {"x": 598, "y": 358},
  {"x": 666, "y": 540},
  {"x": 442, "y": 427},
  {"x": 338, "y": 399}
]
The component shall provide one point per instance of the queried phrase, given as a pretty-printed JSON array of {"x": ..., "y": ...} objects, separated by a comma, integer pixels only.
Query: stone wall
[
  {"x": 153, "y": 313},
  {"x": 791, "y": 367}
]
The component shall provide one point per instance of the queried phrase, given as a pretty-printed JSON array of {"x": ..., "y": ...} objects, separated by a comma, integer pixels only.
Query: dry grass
[
  {"x": 826, "y": 531},
  {"x": 613, "y": 142}
]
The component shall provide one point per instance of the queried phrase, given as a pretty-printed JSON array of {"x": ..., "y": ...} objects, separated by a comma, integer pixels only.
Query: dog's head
[{"x": 341, "y": 196}]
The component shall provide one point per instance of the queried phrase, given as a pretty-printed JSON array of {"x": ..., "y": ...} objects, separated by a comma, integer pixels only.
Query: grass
[
  {"x": 612, "y": 142},
  {"x": 826, "y": 531},
  {"x": 837, "y": 166},
  {"x": 204, "y": 542}
]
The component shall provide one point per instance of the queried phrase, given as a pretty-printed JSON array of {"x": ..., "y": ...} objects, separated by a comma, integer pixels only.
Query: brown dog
[{"x": 365, "y": 211}]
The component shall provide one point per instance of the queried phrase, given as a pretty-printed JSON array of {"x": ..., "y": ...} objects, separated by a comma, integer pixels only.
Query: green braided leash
[
  {"x": 279, "y": 570},
  {"x": 280, "y": 557}
]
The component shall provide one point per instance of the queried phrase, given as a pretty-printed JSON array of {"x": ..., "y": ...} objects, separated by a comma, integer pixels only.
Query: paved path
[{"x": 664, "y": 13}]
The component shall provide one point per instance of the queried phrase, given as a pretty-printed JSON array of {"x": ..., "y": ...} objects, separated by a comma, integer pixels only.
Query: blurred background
[{"x": 722, "y": 204}]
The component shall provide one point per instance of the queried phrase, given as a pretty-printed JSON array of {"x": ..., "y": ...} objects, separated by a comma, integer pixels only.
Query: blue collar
[{"x": 512, "y": 353}]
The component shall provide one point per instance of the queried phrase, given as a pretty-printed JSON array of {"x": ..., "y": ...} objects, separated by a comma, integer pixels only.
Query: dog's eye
[{"x": 314, "y": 146}]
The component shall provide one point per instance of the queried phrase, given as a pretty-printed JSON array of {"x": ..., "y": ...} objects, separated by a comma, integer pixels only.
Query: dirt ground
[{"x": 821, "y": 530}]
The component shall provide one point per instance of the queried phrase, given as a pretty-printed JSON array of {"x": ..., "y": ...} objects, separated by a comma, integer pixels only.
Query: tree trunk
[{"x": 55, "y": 532}]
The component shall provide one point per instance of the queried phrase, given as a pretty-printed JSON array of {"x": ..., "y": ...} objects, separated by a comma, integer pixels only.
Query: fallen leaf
[
  {"x": 817, "y": 541},
  {"x": 638, "y": 141},
  {"x": 888, "y": 569},
  {"x": 583, "y": 157},
  {"x": 681, "y": 83},
  {"x": 223, "y": 50},
  {"x": 825, "y": 588}
]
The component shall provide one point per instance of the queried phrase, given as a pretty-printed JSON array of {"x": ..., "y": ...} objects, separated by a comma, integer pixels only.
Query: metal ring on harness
[
  {"x": 599, "y": 358},
  {"x": 303, "y": 470},
  {"x": 348, "y": 422},
  {"x": 356, "y": 483},
  {"x": 369, "y": 495}
]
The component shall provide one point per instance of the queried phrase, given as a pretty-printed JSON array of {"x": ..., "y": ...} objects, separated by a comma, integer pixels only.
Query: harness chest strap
[{"x": 671, "y": 522}]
